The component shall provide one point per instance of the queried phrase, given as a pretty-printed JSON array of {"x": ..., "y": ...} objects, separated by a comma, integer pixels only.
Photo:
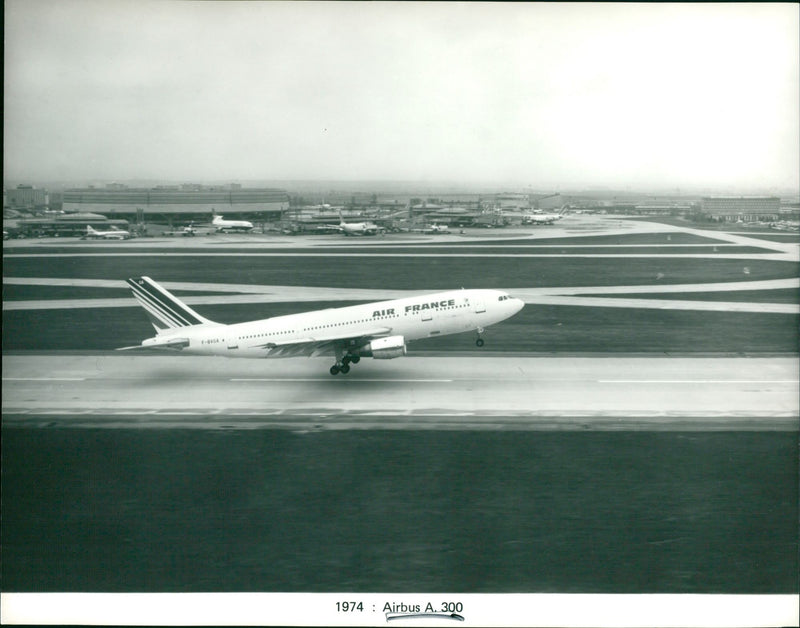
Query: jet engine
[{"x": 387, "y": 348}]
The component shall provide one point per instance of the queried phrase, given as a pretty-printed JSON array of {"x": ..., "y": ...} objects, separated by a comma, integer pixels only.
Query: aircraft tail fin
[
  {"x": 164, "y": 310},
  {"x": 89, "y": 229}
]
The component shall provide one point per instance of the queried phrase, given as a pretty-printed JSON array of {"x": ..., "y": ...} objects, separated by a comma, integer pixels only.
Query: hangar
[
  {"x": 186, "y": 202},
  {"x": 61, "y": 225}
]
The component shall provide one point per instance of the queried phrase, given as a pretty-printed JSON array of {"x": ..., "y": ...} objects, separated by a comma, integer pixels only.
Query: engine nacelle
[{"x": 387, "y": 348}]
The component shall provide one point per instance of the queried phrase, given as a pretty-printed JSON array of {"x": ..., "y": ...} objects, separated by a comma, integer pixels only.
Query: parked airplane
[
  {"x": 543, "y": 219},
  {"x": 231, "y": 225},
  {"x": 112, "y": 234},
  {"x": 434, "y": 228},
  {"x": 378, "y": 330},
  {"x": 355, "y": 228}
]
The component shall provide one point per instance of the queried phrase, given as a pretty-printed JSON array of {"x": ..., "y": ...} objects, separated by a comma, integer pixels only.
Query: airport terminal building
[
  {"x": 25, "y": 197},
  {"x": 187, "y": 202},
  {"x": 746, "y": 208}
]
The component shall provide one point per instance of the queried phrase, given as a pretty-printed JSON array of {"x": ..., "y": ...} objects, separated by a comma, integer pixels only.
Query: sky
[{"x": 531, "y": 94}]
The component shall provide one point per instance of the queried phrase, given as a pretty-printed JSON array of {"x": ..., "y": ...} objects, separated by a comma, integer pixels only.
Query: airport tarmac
[
  {"x": 573, "y": 226},
  {"x": 182, "y": 472},
  {"x": 472, "y": 391},
  {"x": 541, "y": 296}
]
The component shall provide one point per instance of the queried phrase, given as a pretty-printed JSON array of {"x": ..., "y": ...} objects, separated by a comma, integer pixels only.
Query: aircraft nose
[{"x": 518, "y": 304}]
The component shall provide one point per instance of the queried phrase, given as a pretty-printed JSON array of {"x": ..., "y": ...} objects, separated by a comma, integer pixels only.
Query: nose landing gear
[{"x": 479, "y": 341}]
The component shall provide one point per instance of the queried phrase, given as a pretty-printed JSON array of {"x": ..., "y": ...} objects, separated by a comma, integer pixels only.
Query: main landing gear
[
  {"x": 479, "y": 341},
  {"x": 343, "y": 363}
]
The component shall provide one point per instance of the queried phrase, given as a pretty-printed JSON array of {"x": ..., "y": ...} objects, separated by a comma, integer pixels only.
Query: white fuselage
[
  {"x": 357, "y": 228},
  {"x": 113, "y": 234},
  {"x": 542, "y": 219},
  {"x": 412, "y": 318},
  {"x": 232, "y": 225}
]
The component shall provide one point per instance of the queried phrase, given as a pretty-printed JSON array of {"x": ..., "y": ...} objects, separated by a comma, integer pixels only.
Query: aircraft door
[{"x": 479, "y": 306}]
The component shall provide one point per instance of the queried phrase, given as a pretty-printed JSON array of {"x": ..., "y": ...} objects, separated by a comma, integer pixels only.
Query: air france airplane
[{"x": 378, "y": 330}]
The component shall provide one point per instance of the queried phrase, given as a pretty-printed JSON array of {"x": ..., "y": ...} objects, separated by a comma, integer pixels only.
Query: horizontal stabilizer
[{"x": 153, "y": 343}]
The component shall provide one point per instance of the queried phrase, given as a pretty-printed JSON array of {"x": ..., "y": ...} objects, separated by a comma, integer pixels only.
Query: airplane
[
  {"x": 379, "y": 330},
  {"x": 112, "y": 234},
  {"x": 543, "y": 219},
  {"x": 231, "y": 225},
  {"x": 355, "y": 228}
]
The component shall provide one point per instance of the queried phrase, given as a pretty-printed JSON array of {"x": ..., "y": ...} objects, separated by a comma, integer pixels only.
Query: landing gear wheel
[
  {"x": 355, "y": 359},
  {"x": 479, "y": 342},
  {"x": 345, "y": 368},
  {"x": 334, "y": 370}
]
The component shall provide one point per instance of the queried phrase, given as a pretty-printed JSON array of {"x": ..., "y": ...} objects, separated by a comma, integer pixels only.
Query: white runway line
[
  {"x": 584, "y": 296},
  {"x": 579, "y": 301},
  {"x": 455, "y": 255},
  {"x": 664, "y": 304},
  {"x": 44, "y": 379},
  {"x": 345, "y": 378},
  {"x": 378, "y": 294},
  {"x": 698, "y": 381}
]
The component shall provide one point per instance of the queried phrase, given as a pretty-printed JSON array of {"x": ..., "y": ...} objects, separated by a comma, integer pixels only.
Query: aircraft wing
[{"x": 313, "y": 346}]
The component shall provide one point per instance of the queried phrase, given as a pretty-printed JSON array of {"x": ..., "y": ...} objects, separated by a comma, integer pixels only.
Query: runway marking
[
  {"x": 776, "y": 255},
  {"x": 44, "y": 379},
  {"x": 379, "y": 294},
  {"x": 327, "y": 379},
  {"x": 440, "y": 381},
  {"x": 392, "y": 248},
  {"x": 698, "y": 381}
]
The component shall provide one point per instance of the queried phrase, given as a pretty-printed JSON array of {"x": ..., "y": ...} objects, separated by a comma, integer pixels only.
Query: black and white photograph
[{"x": 400, "y": 313}]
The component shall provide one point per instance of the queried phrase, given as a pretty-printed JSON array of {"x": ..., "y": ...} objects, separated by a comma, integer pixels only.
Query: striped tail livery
[{"x": 164, "y": 310}]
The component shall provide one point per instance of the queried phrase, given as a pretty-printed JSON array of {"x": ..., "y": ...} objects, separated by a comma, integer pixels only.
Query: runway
[{"x": 472, "y": 391}]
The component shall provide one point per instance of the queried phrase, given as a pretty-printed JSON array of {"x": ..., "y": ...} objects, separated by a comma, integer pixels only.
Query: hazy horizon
[
  {"x": 386, "y": 187},
  {"x": 670, "y": 97}
]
